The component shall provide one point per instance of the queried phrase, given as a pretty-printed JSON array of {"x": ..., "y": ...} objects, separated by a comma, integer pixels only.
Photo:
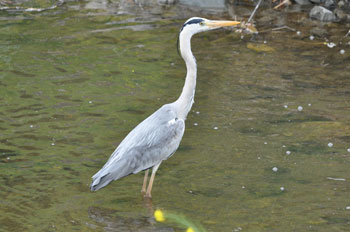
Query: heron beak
[{"x": 219, "y": 23}]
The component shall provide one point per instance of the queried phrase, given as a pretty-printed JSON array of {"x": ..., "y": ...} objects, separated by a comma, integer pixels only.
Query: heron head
[{"x": 195, "y": 25}]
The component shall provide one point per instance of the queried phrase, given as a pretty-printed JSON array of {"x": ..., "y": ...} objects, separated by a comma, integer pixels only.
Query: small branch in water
[
  {"x": 283, "y": 27},
  {"x": 285, "y": 2},
  {"x": 254, "y": 11},
  {"x": 248, "y": 26},
  {"x": 347, "y": 34}
]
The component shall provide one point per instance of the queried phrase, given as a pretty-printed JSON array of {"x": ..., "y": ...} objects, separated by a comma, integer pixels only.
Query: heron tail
[
  {"x": 100, "y": 182},
  {"x": 109, "y": 173}
]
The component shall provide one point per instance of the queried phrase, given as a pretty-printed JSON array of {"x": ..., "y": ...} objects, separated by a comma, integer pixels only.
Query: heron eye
[{"x": 201, "y": 23}]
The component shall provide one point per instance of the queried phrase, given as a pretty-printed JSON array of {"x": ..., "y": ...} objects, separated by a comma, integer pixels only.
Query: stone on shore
[
  {"x": 303, "y": 2},
  {"x": 322, "y": 14}
]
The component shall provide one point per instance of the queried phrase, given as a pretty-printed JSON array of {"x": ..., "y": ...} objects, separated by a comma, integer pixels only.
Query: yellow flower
[
  {"x": 189, "y": 229},
  {"x": 159, "y": 216}
]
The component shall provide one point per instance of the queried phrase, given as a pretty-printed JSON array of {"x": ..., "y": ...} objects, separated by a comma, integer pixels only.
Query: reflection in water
[
  {"x": 114, "y": 220},
  {"x": 164, "y": 216},
  {"x": 111, "y": 220}
]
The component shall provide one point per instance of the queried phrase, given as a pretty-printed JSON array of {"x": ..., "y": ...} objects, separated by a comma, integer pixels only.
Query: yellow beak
[{"x": 219, "y": 23}]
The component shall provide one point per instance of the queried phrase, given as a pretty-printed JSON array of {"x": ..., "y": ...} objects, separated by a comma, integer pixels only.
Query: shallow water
[{"x": 76, "y": 79}]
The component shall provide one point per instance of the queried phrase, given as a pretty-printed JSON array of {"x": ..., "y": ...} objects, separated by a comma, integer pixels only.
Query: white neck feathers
[{"x": 184, "y": 103}]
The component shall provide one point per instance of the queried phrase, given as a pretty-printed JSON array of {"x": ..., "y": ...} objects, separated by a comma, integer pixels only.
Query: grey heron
[{"x": 157, "y": 137}]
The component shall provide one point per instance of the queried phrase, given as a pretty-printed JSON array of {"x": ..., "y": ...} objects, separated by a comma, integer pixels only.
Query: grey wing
[{"x": 153, "y": 140}]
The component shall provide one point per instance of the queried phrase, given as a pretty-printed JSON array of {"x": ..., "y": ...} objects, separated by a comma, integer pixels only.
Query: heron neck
[{"x": 186, "y": 99}]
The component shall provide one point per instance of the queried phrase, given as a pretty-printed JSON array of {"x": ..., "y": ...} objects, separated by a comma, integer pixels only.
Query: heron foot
[{"x": 146, "y": 195}]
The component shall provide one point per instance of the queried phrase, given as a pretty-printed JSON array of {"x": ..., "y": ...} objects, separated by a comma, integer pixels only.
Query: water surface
[{"x": 75, "y": 80}]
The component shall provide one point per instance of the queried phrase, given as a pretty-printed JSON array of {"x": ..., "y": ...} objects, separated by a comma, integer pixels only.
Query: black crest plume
[{"x": 193, "y": 21}]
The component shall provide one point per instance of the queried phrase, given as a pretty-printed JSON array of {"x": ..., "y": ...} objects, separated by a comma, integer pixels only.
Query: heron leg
[
  {"x": 143, "y": 190},
  {"x": 149, "y": 189}
]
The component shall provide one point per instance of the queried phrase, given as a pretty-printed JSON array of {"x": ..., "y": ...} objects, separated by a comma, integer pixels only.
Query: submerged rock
[
  {"x": 317, "y": 1},
  {"x": 260, "y": 47},
  {"x": 303, "y": 2},
  {"x": 204, "y": 3},
  {"x": 329, "y": 4},
  {"x": 166, "y": 2},
  {"x": 341, "y": 15},
  {"x": 341, "y": 4},
  {"x": 318, "y": 31},
  {"x": 322, "y": 14}
]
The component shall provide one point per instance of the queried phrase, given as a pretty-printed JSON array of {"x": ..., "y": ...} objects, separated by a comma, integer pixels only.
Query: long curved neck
[{"x": 184, "y": 103}]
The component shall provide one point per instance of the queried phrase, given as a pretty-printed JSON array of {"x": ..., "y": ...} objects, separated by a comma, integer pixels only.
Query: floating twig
[
  {"x": 285, "y": 2},
  {"x": 283, "y": 27},
  {"x": 347, "y": 34}
]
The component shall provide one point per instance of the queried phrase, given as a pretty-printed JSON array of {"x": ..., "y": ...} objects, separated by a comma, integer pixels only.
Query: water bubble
[
  {"x": 298, "y": 33},
  {"x": 215, "y": 128},
  {"x": 52, "y": 144},
  {"x": 275, "y": 169},
  {"x": 265, "y": 42},
  {"x": 90, "y": 102},
  {"x": 348, "y": 150},
  {"x": 195, "y": 124},
  {"x": 309, "y": 104},
  {"x": 282, "y": 188},
  {"x": 285, "y": 106},
  {"x": 198, "y": 112},
  {"x": 265, "y": 143},
  {"x": 283, "y": 145},
  {"x": 8, "y": 158},
  {"x": 31, "y": 126},
  {"x": 312, "y": 37},
  {"x": 330, "y": 144},
  {"x": 300, "y": 108},
  {"x": 342, "y": 51},
  {"x": 288, "y": 152},
  {"x": 243, "y": 187},
  {"x": 347, "y": 207}
]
